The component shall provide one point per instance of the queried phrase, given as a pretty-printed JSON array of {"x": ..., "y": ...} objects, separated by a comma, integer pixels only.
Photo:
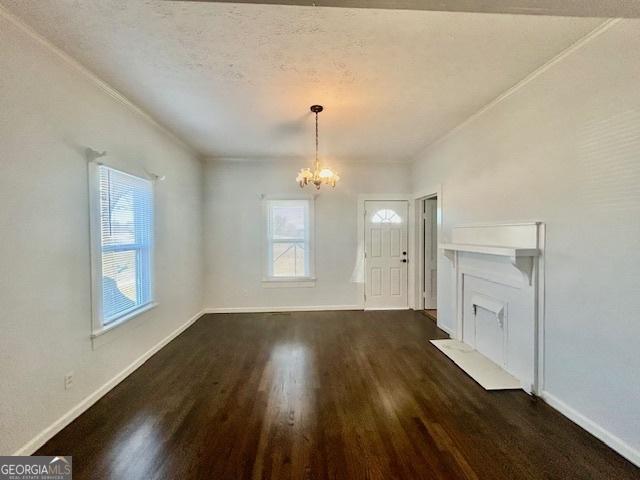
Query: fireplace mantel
[
  {"x": 517, "y": 241},
  {"x": 491, "y": 250},
  {"x": 521, "y": 258}
]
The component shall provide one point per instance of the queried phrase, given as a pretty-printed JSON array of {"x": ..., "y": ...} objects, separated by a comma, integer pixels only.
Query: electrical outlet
[{"x": 68, "y": 381}]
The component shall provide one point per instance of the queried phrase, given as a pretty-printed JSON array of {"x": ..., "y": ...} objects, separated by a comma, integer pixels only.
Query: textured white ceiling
[{"x": 236, "y": 80}]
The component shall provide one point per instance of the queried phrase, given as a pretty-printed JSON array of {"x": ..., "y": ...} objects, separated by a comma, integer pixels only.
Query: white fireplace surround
[{"x": 498, "y": 299}]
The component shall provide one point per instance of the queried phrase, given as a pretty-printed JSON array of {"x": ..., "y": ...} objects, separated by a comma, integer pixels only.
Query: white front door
[{"x": 386, "y": 254}]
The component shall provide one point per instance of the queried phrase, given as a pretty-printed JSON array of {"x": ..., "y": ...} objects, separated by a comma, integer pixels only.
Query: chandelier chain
[{"x": 317, "y": 162}]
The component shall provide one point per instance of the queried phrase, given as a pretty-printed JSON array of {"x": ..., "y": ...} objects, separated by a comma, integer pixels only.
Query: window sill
[
  {"x": 105, "y": 334},
  {"x": 289, "y": 282}
]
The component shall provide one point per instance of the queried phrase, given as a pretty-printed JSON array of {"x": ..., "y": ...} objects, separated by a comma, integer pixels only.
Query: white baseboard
[
  {"x": 593, "y": 428},
  {"x": 377, "y": 309},
  {"x": 306, "y": 308},
  {"x": 448, "y": 330},
  {"x": 45, "y": 435}
]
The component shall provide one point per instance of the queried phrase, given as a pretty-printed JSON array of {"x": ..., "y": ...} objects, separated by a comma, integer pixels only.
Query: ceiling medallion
[{"x": 319, "y": 175}]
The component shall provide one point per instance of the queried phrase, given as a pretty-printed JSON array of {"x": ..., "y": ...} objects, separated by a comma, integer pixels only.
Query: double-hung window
[
  {"x": 122, "y": 246},
  {"x": 289, "y": 239}
]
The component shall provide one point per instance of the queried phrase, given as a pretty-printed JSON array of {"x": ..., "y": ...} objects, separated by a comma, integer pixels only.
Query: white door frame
[
  {"x": 367, "y": 197},
  {"x": 416, "y": 268},
  {"x": 422, "y": 256}
]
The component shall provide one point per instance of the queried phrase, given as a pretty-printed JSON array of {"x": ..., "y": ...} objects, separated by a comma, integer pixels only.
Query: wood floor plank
[{"x": 322, "y": 395}]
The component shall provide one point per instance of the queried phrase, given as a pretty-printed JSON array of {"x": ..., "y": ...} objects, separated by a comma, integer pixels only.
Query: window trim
[
  {"x": 269, "y": 280},
  {"x": 98, "y": 327}
]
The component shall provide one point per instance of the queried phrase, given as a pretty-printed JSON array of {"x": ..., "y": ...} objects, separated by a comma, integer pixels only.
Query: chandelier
[{"x": 319, "y": 175}]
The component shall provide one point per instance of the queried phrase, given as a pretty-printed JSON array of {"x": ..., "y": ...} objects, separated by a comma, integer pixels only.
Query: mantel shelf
[
  {"x": 521, "y": 258},
  {"x": 512, "y": 252}
]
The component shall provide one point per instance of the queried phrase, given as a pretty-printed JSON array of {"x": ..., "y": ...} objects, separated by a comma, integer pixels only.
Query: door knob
[
  {"x": 404, "y": 260},
  {"x": 404, "y": 253}
]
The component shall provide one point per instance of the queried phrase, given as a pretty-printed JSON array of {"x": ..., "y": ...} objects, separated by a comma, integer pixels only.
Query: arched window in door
[{"x": 386, "y": 216}]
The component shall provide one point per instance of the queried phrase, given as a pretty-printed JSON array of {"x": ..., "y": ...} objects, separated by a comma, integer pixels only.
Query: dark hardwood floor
[{"x": 343, "y": 395}]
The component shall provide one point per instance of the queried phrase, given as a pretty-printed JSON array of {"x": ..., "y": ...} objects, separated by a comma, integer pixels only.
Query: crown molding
[{"x": 88, "y": 74}]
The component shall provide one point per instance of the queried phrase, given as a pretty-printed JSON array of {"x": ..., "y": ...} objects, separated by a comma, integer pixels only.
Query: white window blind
[
  {"x": 126, "y": 244},
  {"x": 289, "y": 235}
]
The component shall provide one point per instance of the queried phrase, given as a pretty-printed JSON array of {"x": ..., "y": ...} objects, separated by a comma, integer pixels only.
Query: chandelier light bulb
[{"x": 326, "y": 173}]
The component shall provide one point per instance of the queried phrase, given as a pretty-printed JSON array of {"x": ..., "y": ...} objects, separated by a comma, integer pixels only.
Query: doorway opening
[{"x": 430, "y": 255}]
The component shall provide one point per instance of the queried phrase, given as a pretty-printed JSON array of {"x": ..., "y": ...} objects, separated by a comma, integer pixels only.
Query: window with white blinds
[{"x": 123, "y": 271}]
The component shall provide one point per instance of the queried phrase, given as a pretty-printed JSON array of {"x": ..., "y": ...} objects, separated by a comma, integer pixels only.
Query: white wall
[
  {"x": 49, "y": 112},
  {"x": 233, "y": 241},
  {"x": 565, "y": 149}
]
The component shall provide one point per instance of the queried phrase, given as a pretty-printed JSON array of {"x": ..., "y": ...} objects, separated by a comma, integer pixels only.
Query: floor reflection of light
[
  {"x": 289, "y": 379},
  {"x": 290, "y": 367},
  {"x": 394, "y": 400},
  {"x": 136, "y": 448}
]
